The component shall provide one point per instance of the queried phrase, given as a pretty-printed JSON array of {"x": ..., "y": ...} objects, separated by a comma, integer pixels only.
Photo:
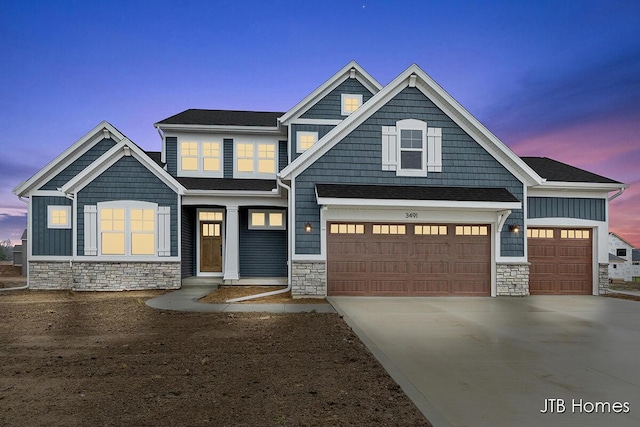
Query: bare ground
[{"x": 107, "y": 359}]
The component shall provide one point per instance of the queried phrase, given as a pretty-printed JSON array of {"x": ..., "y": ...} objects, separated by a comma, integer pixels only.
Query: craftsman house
[{"x": 359, "y": 189}]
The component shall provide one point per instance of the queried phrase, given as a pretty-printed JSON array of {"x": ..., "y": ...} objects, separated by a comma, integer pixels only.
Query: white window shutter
[
  {"x": 164, "y": 231},
  {"x": 90, "y": 230},
  {"x": 389, "y": 148},
  {"x": 434, "y": 150}
]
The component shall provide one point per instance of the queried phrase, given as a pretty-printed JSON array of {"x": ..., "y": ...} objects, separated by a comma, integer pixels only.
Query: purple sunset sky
[{"x": 559, "y": 79}]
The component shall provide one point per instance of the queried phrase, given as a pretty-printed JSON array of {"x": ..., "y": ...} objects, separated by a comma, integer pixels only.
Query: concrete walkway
[
  {"x": 186, "y": 299},
  {"x": 496, "y": 361}
]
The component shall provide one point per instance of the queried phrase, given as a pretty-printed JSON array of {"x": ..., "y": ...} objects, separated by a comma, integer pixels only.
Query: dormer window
[
  {"x": 350, "y": 103},
  {"x": 200, "y": 157}
]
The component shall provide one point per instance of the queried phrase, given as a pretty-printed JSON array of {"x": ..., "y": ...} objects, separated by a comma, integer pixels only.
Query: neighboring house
[
  {"x": 635, "y": 268},
  {"x": 358, "y": 189},
  {"x": 621, "y": 252}
]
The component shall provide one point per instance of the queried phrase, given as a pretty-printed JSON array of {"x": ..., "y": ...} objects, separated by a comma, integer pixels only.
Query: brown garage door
[
  {"x": 561, "y": 261},
  {"x": 408, "y": 259}
]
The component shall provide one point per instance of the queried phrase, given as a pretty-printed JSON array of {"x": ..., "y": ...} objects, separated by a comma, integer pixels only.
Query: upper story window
[
  {"x": 255, "y": 160},
  {"x": 200, "y": 157},
  {"x": 621, "y": 252},
  {"x": 59, "y": 216},
  {"x": 350, "y": 103},
  {"x": 305, "y": 140},
  {"x": 410, "y": 148}
]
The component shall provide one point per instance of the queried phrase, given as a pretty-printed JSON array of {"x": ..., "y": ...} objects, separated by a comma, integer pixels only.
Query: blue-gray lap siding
[
  {"x": 79, "y": 164},
  {"x": 49, "y": 241},
  {"x": 128, "y": 179},
  {"x": 227, "y": 152},
  {"x": 330, "y": 107},
  {"x": 357, "y": 159},
  {"x": 263, "y": 253},
  {"x": 321, "y": 129},
  {"x": 283, "y": 158},
  {"x": 566, "y": 207}
]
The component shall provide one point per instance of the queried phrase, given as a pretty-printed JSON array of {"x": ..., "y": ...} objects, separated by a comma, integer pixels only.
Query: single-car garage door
[
  {"x": 408, "y": 259},
  {"x": 561, "y": 261}
]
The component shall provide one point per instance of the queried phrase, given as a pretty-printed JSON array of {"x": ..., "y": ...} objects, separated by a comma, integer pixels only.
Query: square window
[
  {"x": 305, "y": 140},
  {"x": 621, "y": 252},
  {"x": 350, "y": 103},
  {"x": 59, "y": 216}
]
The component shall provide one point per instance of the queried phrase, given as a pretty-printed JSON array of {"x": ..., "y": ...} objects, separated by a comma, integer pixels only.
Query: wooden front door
[{"x": 210, "y": 247}]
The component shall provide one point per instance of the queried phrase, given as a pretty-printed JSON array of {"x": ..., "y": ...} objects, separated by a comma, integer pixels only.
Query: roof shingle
[
  {"x": 194, "y": 116},
  {"x": 554, "y": 170}
]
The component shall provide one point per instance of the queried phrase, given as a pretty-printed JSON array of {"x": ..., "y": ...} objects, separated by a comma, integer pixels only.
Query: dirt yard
[{"x": 107, "y": 359}]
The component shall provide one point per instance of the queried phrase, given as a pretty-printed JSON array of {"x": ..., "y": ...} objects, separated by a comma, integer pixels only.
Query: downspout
[
  {"x": 289, "y": 248},
  {"x": 18, "y": 288},
  {"x": 619, "y": 193}
]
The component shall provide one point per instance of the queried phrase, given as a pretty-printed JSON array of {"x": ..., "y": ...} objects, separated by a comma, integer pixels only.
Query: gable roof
[
  {"x": 352, "y": 68},
  {"x": 103, "y": 130},
  {"x": 611, "y": 233},
  {"x": 194, "y": 116},
  {"x": 553, "y": 170},
  {"x": 616, "y": 259},
  {"x": 415, "y": 76},
  {"x": 124, "y": 148}
]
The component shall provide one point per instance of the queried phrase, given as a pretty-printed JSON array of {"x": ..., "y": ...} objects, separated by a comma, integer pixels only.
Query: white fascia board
[
  {"x": 109, "y": 158},
  {"x": 434, "y": 204},
  {"x": 232, "y": 193},
  {"x": 170, "y": 129},
  {"x": 579, "y": 186},
  {"x": 361, "y": 75},
  {"x": 322, "y": 122},
  {"x": 572, "y": 193},
  {"x": 70, "y": 155},
  {"x": 444, "y": 101},
  {"x": 475, "y": 128},
  {"x": 352, "y": 121}
]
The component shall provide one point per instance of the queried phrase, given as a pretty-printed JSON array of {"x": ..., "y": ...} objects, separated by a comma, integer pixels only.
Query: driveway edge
[{"x": 422, "y": 403}]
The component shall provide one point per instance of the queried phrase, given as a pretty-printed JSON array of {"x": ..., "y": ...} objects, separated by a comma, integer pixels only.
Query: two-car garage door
[{"x": 408, "y": 259}]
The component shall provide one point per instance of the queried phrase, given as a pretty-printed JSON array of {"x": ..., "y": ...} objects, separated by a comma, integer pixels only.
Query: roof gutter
[
  {"x": 619, "y": 193},
  {"x": 289, "y": 267}
]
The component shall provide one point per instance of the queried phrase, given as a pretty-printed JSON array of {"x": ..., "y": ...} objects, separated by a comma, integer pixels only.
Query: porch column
[{"x": 231, "y": 247}]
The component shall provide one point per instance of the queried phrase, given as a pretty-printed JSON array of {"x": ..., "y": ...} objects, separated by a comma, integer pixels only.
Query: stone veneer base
[
  {"x": 512, "y": 279},
  {"x": 603, "y": 279},
  {"x": 103, "y": 276},
  {"x": 308, "y": 278}
]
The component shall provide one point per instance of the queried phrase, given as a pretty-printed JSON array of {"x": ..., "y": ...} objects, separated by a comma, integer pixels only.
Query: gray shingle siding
[
  {"x": 227, "y": 150},
  {"x": 263, "y": 253},
  {"x": 321, "y": 129},
  {"x": 49, "y": 241},
  {"x": 566, "y": 207},
  {"x": 171, "y": 154},
  {"x": 357, "y": 160},
  {"x": 79, "y": 164},
  {"x": 330, "y": 106},
  {"x": 128, "y": 179}
]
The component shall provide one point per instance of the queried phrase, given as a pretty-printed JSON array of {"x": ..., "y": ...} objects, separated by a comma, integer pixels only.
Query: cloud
[{"x": 546, "y": 102}]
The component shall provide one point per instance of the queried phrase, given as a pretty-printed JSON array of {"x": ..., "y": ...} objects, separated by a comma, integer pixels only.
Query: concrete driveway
[{"x": 494, "y": 361}]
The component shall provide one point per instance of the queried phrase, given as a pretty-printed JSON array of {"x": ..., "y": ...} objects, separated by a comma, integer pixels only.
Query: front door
[{"x": 210, "y": 247}]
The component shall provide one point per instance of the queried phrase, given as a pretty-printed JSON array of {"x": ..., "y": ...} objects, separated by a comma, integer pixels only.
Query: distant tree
[{"x": 6, "y": 250}]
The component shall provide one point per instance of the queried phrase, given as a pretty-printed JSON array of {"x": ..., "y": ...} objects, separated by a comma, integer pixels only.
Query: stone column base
[
  {"x": 512, "y": 279},
  {"x": 308, "y": 278},
  {"x": 603, "y": 279}
]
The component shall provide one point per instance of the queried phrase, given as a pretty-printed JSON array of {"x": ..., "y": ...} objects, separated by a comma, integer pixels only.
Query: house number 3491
[{"x": 411, "y": 215}]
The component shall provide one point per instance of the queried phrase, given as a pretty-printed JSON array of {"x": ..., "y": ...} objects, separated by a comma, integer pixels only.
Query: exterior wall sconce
[
  {"x": 514, "y": 228},
  {"x": 307, "y": 228}
]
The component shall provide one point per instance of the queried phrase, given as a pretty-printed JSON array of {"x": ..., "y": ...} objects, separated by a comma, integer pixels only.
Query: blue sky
[{"x": 550, "y": 78}]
